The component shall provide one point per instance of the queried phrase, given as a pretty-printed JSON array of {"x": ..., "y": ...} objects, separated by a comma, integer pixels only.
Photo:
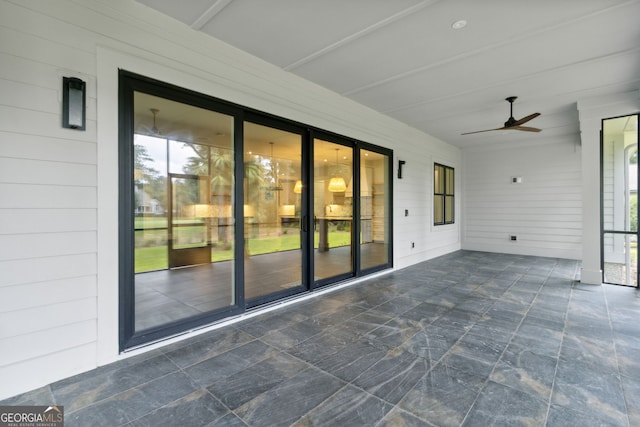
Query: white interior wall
[
  {"x": 544, "y": 211},
  {"x": 58, "y": 187}
]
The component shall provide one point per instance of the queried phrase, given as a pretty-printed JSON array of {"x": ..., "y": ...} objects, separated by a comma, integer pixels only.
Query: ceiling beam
[
  {"x": 209, "y": 14},
  {"x": 355, "y": 36}
]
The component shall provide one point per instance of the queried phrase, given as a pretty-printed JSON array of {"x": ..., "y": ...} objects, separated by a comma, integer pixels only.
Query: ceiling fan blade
[
  {"x": 525, "y": 128},
  {"x": 513, "y": 124},
  {"x": 525, "y": 119},
  {"x": 479, "y": 131}
]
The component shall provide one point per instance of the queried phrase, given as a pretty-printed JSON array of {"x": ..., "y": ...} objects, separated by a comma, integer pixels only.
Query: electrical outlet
[
  {"x": 513, "y": 238},
  {"x": 406, "y": 212}
]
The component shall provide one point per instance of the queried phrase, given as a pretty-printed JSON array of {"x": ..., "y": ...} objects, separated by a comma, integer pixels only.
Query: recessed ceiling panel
[
  {"x": 402, "y": 57},
  {"x": 185, "y": 11},
  {"x": 544, "y": 56},
  {"x": 285, "y": 31},
  {"x": 425, "y": 39}
]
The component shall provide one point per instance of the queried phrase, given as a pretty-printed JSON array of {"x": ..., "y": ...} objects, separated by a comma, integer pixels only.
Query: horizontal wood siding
[
  {"x": 544, "y": 211},
  {"x": 48, "y": 204},
  {"x": 58, "y": 309},
  {"x": 416, "y": 238}
]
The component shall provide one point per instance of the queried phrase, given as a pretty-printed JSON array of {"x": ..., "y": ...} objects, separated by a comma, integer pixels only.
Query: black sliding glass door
[
  {"x": 332, "y": 211},
  {"x": 224, "y": 209},
  {"x": 178, "y": 238},
  {"x": 375, "y": 209},
  {"x": 274, "y": 253}
]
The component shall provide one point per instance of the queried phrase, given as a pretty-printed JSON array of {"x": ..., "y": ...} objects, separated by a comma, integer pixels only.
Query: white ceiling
[{"x": 403, "y": 58}]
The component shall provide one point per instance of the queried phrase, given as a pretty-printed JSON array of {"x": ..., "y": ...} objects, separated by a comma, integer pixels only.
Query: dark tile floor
[{"x": 470, "y": 338}]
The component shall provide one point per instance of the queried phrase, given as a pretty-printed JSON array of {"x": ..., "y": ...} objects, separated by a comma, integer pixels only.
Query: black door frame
[
  {"x": 603, "y": 231},
  {"x": 130, "y": 83},
  {"x": 355, "y": 226},
  {"x": 284, "y": 125}
]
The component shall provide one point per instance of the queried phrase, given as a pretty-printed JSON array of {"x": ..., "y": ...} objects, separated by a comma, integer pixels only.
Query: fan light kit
[{"x": 511, "y": 123}]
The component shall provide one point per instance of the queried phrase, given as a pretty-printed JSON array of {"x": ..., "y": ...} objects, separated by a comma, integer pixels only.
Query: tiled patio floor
[{"x": 470, "y": 338}]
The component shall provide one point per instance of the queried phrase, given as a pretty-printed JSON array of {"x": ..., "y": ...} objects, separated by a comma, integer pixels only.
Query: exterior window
[{"x": 443, "y": 195}]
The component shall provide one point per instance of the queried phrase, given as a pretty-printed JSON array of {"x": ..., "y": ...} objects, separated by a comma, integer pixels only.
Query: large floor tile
[
  {"x": 584, "y": 389},
  {"x": 500, "y": 405},
  {"x": 247, "y": 384},
  {"x": 443, "y": 396},
  {"x": 394, "y": 375},
  {"x": 350, "y": 406},
  {"x": 196, "y": 409},
  {"x": 527, "y": 371},
  {"x": 290, "y": 400}
]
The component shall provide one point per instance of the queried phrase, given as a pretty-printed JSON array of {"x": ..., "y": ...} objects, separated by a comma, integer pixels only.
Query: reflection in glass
[
  {"x": 443, "y": 195},
  {"x": 150, "y": 203},
  {"x": 183, "y": 198},
  {"x": 272, "y": 206},
  {"x": 448, "y": 210},
  {"x": 449, "y": 207},
  {"x": 438, "y": 210},
  {"x": 374, "y": 209},
  {"x": 332, "y": 209}
]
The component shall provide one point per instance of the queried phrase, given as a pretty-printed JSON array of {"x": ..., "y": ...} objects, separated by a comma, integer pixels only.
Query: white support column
[{"x": 591, "y": 112}]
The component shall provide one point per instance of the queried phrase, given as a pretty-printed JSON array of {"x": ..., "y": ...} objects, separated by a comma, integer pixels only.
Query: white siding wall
[
  {"x": 544, "y": 211},
  {"x": 58, "y": 187},
  {"x": 414, "y": 192},
  {"x": 47, "y": 208}
]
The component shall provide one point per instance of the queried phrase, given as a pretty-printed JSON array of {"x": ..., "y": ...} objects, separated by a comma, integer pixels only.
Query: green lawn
[
  {"x": 156, "y": 257},
  {"x": 150, "y": 221}
]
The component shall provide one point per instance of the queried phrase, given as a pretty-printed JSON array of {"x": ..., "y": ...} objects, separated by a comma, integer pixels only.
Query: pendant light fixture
[
  {"x": 337, "y": 184},
  {"x": 154, "y": 129}
]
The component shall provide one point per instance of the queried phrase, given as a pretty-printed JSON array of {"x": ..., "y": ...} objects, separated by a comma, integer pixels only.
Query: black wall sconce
[
  {"x": 73, "y": 103},
  {"x": 400, "y": 164}
]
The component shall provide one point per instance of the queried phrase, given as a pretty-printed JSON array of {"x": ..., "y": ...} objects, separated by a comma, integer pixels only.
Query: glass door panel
[
  {"x": 621, "y": 259},
  {"x": 188, "y": 243},
  {"x": 620, "y": 200},
  {"x": 374, "y": 209},
  {"x": 183, "y": 198},
  {"x": 332, "y": 209},
  {"x": 150, "y": 203},
  {"x": 272, "y": 211}
]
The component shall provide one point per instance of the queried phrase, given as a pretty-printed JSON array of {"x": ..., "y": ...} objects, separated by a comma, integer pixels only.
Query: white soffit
[{"x": 403, "y": 58}]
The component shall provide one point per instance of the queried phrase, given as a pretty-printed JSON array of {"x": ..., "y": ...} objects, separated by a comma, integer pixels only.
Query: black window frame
[{"x": 444, "y": 194}]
